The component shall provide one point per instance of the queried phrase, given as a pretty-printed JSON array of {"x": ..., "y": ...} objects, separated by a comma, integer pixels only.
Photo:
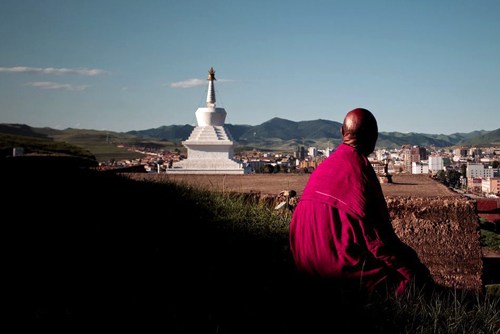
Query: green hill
[
  {"x": 101, "y": 145},
  {"x": 40, "y": 145},
  {"x": 277, "y": 134}
]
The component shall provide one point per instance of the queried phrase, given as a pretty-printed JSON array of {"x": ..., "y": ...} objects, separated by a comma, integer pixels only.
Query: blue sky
[{"x": 419, "y": 66}]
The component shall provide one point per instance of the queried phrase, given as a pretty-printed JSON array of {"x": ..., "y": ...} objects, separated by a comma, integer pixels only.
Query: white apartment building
[
  {"x": 312, "y": 151},
  {"x": 436, "y": 164},
  {"x": 419, "y": 168},
  {"x": 475, "y": 169}
]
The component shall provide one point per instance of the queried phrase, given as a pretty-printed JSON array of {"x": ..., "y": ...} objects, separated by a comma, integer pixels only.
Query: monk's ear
[{"x": 342, "y": 130}]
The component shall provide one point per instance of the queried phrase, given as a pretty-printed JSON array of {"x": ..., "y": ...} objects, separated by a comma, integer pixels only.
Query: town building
[
  {"x": 477, "y": 169},
  {"x": 491, "y": 185},
  {"x": 419, "y": 168},
  {"x": 436, "y": 163}
]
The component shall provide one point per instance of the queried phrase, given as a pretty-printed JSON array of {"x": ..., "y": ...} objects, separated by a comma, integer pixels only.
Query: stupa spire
[
  {"x": 210, "y": 147},
  {"x": 211, "y": 89}
]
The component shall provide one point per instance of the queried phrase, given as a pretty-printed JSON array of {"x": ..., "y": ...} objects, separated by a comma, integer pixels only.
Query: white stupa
[{"x": 210, "y": 147}]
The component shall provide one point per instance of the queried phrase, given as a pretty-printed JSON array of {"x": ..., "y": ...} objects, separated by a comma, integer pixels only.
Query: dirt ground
[
  {"x": 403, "y": 185},
  {"x": 257, "y": 183}
]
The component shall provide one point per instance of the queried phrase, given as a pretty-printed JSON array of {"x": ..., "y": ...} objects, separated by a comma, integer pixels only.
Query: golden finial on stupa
[{"x": 211, "y": 74}]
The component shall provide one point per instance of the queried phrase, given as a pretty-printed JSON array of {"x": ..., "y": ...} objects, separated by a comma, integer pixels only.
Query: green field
[{"x": 103, "y": 145}]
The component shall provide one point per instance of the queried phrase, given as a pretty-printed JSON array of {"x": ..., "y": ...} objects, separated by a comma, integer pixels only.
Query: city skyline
[{"x": 421, "y": 67}]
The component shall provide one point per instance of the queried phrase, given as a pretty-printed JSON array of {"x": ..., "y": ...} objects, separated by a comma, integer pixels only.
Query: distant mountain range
[{"x": 276, "y": 134}]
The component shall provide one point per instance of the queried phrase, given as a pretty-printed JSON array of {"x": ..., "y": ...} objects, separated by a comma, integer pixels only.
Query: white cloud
[
  {"x": 56, "y": 85},
  {"x": 188, "y": 83},
  {"x": 52, "y": 70},
  {"x": 193, "y": 83}
]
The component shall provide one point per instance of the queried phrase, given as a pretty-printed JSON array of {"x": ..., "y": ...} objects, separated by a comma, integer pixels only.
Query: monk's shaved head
[{"x": 360, "y": 130}]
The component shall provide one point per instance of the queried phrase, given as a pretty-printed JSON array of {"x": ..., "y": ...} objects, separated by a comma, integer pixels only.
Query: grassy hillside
[
  {"x": 103, "y": 145},
  {"x": 40, "y": 145},
  {"x": 485, "y": 137},
  {"x": 88, "y": 252}
]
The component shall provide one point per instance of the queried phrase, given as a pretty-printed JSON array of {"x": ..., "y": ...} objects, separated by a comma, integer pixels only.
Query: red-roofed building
[{"x": 489, "y": 209}]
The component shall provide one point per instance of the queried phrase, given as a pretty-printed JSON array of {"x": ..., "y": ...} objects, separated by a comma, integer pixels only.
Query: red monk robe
[{"x": 341, "y": 227}]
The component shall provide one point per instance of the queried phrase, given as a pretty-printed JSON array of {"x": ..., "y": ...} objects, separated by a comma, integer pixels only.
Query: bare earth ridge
[{"x": 403, "y": 185}]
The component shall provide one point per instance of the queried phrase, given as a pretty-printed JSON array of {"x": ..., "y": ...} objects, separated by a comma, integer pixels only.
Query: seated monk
[{"x": 341, "y": 229}]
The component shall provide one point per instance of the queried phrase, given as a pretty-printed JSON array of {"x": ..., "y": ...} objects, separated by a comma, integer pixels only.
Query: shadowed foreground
[{"x": 91, "y": 249}]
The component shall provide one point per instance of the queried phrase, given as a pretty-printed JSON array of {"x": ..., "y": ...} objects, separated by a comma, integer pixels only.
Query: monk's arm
[{"x": 385, "y": 246}]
